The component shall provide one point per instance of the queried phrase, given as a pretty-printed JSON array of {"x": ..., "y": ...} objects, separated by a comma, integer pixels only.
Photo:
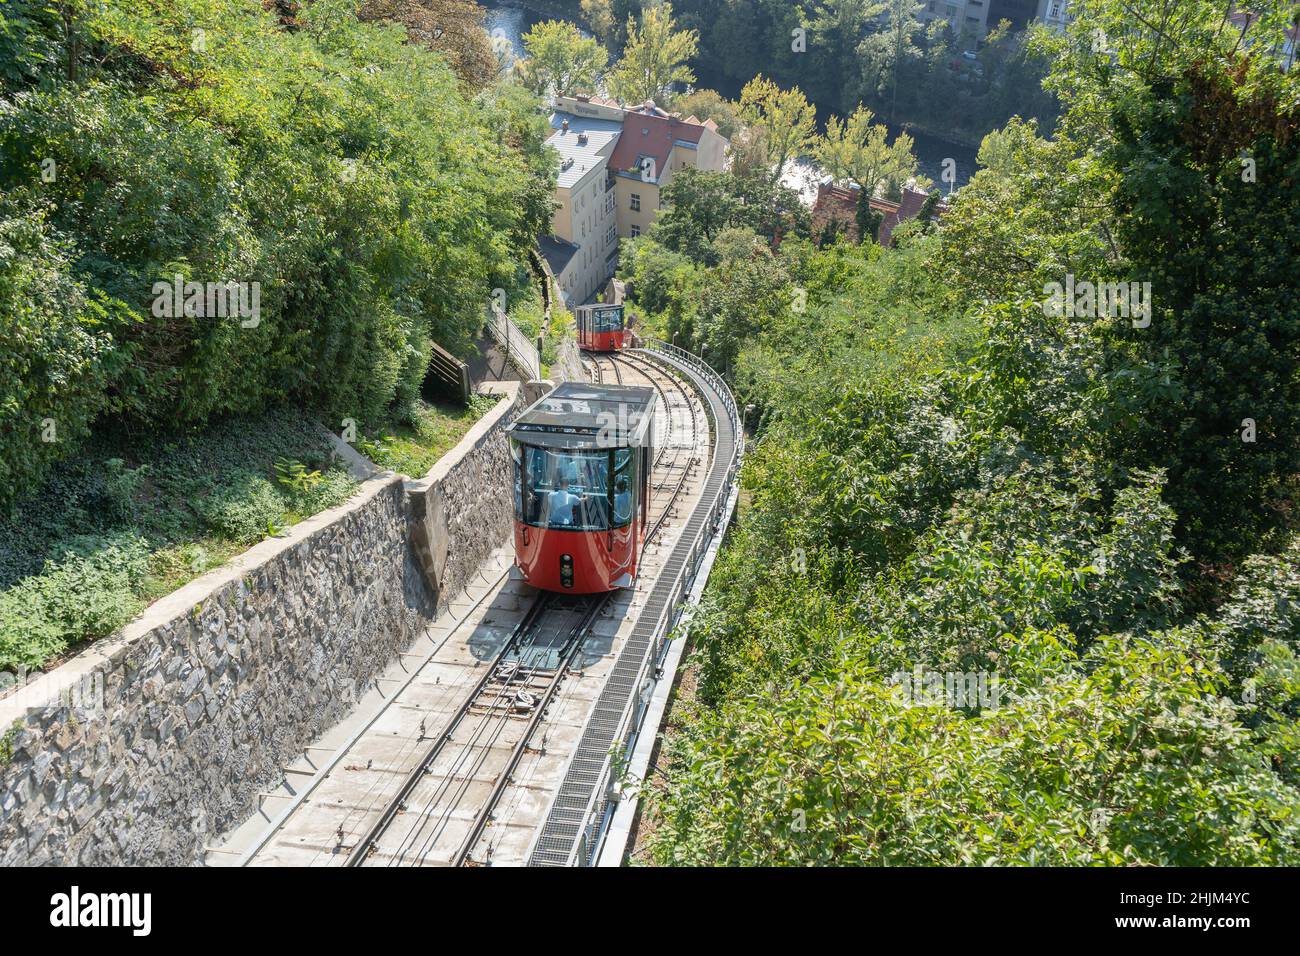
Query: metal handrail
[
  {"x": 592, "y": 835},
  {"x": 520, "y": 352}
]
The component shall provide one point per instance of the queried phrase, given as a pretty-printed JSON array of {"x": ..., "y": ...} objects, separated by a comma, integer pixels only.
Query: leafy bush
[
  {"x": 60, "y": 350},
  {"x": 344, "y": 170},
  {"x": 73, "y": 547},
  {"x": 949, "y": 482},
  {"x": 246, "y": 509},
  {"x": 414, "y": 447},
  {"x": 1128, "y": 759},
  {"x": 86, "y": 591}
]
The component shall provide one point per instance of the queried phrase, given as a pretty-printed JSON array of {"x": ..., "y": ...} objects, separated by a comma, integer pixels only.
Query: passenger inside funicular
[
  {"x": 569, "y": 490},
  {"x": 622, "y": 500}
]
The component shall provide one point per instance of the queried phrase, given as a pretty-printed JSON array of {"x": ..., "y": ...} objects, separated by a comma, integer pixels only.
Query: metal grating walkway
[{"x": 571, "y": 831}]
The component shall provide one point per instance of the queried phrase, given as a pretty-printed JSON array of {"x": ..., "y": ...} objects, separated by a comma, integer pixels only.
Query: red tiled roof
[
  {"x": 649, "y": 131},
  {"x": 839, "y": 202},
  {"x": 595, "y": 100},
  {"x": 836, "y": 204}
]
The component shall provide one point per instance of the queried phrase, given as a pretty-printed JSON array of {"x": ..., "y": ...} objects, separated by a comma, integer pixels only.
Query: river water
[{"x": 509, "y": 23}]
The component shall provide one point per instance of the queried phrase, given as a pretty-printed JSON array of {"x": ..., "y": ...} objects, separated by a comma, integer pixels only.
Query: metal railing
[
  {"x": 600, "y": 808},
  {"x": 520, "y": 352}
]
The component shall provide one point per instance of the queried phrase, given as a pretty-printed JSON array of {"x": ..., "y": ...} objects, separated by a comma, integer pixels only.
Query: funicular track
[
  {"x": 503, "y": 711},
  {"x": 578, "y": 817},
  {"x": 685, "y": 442},
  {"x": 452, "y": 777}
]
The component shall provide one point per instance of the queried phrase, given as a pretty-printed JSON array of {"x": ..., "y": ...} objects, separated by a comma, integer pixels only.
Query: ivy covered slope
[
  {"x": 950, "y": 479},
  {"x": 374, "y": 195},
  {"x": 370, "y": 176}
]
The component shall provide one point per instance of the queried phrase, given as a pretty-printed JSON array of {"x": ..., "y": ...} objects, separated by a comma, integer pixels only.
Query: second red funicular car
[
  {"x": 582, "y": 462},
  {"x": 602, "y": 328}
]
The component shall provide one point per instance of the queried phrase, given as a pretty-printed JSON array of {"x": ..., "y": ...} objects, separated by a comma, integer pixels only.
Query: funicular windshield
[
  {"x": 570, "y": 490},
  {"x": 607, "y": 320}
]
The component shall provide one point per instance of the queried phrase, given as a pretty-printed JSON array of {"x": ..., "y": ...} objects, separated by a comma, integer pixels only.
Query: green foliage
[
  {"x": 707, "y": 105},
  {"x": 702, "y": 204},
  {"x": 654, "y": 59},
  {"x": 86, "y": 590},
  {"x": 784, "y": 120},
  {"x": 1129, "y": 759},
  {"x": 1208, "y": 205},
  {"x": 561, "y": 60},
  {"x": 413, "y": 447},
  {"x": 343, "y": 169},
  {"x": 948, "y": 478},
  {"x": 57, "y": 354},
  {"x": 244, "y": 509},
  {"x": 7, "y": 740},
  {"x": 296, "y": 477},
  {"x": 856, "y": 150},
  {"x": 905, "y": 73},
  {"x": 130, "y": 518}
]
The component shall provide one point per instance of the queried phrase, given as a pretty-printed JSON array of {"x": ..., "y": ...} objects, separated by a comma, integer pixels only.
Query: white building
[
  {"x": 978, "y": 17},
  {"x": 1054, "y": 13},
  {"x": 613, "y": 164},
  {"x": 582, "y": 251},
  {"x": 964, "y": 16}
]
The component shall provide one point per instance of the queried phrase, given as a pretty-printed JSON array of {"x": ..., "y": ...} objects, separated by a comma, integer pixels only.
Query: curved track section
[
  {"x": 490, "y": 742},
  {"x": 576, "y": 822}
]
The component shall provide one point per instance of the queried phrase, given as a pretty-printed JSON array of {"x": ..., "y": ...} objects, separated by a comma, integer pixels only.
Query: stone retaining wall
[
  {"x": 568, "y": 363},
  {"x": 142, "y": 748}
]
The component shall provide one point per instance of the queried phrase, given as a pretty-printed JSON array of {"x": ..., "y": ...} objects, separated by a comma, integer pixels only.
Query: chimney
[
  {"x": 582, "y": 139},
  {"x": 564, "y": 126}
]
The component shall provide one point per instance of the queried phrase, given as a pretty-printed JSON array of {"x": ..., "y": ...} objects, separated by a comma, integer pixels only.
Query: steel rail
[
  {"x": 276, "y": 824},
  {"x": 576, "y": 640},
  {"x": 361, "y": 848},
  {"x": 691, "y": 460},
  {"x": 497, "y": 720},
  {"x": 576, "y": 821},
  {"x": 472, "y": 753}
]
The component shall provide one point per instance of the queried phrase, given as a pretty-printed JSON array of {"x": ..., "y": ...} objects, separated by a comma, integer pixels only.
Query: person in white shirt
[{"x": 561, "y": 504}]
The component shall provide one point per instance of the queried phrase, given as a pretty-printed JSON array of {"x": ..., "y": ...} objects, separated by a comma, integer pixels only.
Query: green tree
[
  {"x": 857, "y": 150},
  {"x": 561, "y": 60},
  {"x": 837, "y": 28},
  {"x": 152, "y": 151},
  {"x": 868, "y": 220},
  {"x": 452, "y": 27},
  {"x": 784, "y": 119},
  {"x": 711, "y": 105},
  {"x": 607, "y": 18},
  {"x": 701, "y": 204},
  {"x": 886, "y": 55},
  {"x": 655, "y": 58}
]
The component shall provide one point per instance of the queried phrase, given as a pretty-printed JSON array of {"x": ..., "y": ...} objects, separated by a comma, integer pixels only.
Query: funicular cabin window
[
  {"x": 608, "y": 320},
  {"x": 571, "y": 490}
]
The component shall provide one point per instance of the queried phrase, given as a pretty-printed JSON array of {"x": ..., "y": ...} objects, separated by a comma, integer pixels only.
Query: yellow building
[
  {"x": 653, "y": 146},
  {"x": 614, "y": 162}
]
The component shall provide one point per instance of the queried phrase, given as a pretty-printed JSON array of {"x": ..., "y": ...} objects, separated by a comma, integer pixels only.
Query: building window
[
  {"x": 612, "y": 235},
  {"x": 636, "y": 231},
  {"x": 636, "y": 202}
]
